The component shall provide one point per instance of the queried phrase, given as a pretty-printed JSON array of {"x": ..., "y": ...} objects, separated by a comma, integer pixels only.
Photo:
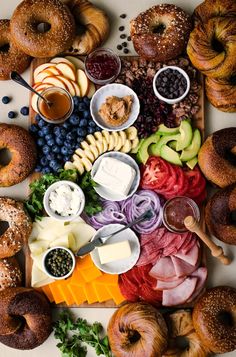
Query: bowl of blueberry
[{"x": 171, "y": 84}]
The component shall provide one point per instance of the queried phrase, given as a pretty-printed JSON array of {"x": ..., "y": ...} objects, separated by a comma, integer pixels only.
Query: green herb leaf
[{"x": 92, "y": 202}]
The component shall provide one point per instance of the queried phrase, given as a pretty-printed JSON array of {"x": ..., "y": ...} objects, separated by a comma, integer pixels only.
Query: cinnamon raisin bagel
[
  {"x": 161, "y": 33},
  {"x": 10, "y": 273},
  {"x": 25, "y": 318},
  {"x": 23, "y": 154},
  {"x": 217, "y": 157},
  {"x": 221, "y": 93},
  {"x": 214, "y": 8},
  {"x": 137, "y": 330},
  {"x": 218, "y": 214},
  {"x": 180, "y": 325},
  {"x": 26, "y": 35},
  {"x": 20, "y": 226},
  {"x": 214, "y": 319},
  {"x": 95, "y": 23},
  {"x": 11, "y": 57},
  {"x": 212, "y": 47}
]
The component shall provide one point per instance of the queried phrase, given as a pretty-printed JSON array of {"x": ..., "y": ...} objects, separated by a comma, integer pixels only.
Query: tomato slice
[
  {"x": 154, "y": 173},
  {"x": 193, "y": 177}
]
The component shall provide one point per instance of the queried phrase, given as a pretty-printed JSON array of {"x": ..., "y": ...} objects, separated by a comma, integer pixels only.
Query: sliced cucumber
[
  {"x": 192, "y": 150},
  {"x": 186, "y": 135},
  {"x": 170, "y": 155}
]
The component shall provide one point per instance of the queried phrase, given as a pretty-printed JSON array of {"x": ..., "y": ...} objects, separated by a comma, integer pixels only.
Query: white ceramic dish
[
  {"x": 103, "y": 191},
  {"x": 122, "y": 265},
  {"x": 47, "y": 272},
  {"x": 53, "y": 214},
  {"x": 118, "y": 90},
  {"x": 167, "y": 100}
]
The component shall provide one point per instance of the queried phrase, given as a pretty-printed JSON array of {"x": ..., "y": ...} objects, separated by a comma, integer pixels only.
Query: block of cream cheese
[
  {"x": 109, "y": 253},
  {"x": 115, "y": 175}
]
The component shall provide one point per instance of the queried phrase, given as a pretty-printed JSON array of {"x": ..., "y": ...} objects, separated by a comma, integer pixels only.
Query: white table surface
[{"x": 214, "y": 120}]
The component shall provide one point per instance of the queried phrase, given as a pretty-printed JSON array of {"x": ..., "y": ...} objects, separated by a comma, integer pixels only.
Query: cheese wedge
[{"x": 109, "y": 253}]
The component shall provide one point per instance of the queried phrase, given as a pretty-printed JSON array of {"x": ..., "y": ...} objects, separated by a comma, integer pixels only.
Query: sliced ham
[
  {"x": 180, "y": 294},
  {"x": 163, "y": 269},
  {"x": 191, "y": 257},
  {"x": 201, "y": 274},
  {"x": 181, "y": 267},
  {"x": 164, "y": 285}
]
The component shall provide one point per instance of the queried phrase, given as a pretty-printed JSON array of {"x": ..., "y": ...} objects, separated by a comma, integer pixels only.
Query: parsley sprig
[{"x": 93, "y": 204}]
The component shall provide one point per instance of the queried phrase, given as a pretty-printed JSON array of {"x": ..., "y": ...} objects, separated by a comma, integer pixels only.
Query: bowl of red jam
[
  {"x": 176, "y": 209},
  {"x": 102, "y": 66}
]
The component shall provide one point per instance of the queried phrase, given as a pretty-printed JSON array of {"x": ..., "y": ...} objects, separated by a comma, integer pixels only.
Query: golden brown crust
[
  {"x": 167, "y": 44},
  {"x": 214, "y": 319},
  {"x": 11, "y": 58},
  {"x": 30, "y": 13},
  {"x": 214, "y": 8},
  {"x": 212, "y": 47},
  {"x": 33, "y": 328},
  {"x": 137, "y": 329},
  {"x": 20, "y": 226},
  {"x": 95, "y": 22},
  {"x": 23, "y": 150},
  {"x": 221, "y": 94},
  {"x": 10, "y": 273}
]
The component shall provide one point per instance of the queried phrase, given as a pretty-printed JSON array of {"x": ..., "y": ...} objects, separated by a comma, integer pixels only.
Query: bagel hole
[
  {"x": 134, "y": 336},
  {"x": 5, "y": 157},
  {"x": 43, "y": 27},
  {"x": 233, "y": 217},
  {"x": 4, "y": 225},
  {"x": 5, "y": 48},
  {"x": 159, "y": 29},
  {"x": 80, "y": 29},
  {"x": 181, "y": 342},
  {"x": 226, "y": 318},
  {"x": 232, "y": 79},
  {"x": 217, "y": 45}
]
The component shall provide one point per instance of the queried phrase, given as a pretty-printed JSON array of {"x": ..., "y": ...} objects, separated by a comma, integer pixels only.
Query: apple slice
[
  {"x": 66, "y": 70},
  {"x": 54, "y": 70},
  {"x": 57, "y": 60},
  {"x": 42, "y": 86},
  {"x": 55, "y": 82},
  {"x": 68, "y": 84},
  {"x": 83, "y": 81},
  {"x": 78, "y": 63},
  {"x": 42, "y": 67},
  {"x": 34, "y": 98},
  {"x": 92, "y": 89},
  {"x": 42, "y": 75},
  {"x": 77, "y": 89}
]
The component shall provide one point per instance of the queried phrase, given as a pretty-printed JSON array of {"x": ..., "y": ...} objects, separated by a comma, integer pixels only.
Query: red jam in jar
[{"x": 176, "y": 210}]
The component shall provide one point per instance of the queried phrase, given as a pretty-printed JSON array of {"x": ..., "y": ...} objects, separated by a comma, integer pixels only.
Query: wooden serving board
[{"x": 198, "y": 122}]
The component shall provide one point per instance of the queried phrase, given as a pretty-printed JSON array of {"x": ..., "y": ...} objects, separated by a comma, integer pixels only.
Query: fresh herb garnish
[
  {"x": 73, "y": 334},
  {"x": 92, "y": 202}
]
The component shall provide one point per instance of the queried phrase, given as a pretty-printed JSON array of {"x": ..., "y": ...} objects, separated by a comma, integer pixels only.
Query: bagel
[
  {"x": 96, "y": 25},
  {"x": 218, "y": 214},
  {"x": 160, "y": 33},
  {"x": 180, "y": 325},
  {"x": 25, "y": 318},
  {"x": 217, "y": 157},
  {"x": 23, "y": 154},
  {"x": 11, "y": 57},
  {"x": 214, "y": 8},
  {"x": 20, "y": 226},
  {"x": 221, "y": 93},
  {"x": 214, "y": 319},
  {"x": 26, "y": 35},
  {"x": 137, "y": 330},
  {"x": 212, "y": 47},
  {"x": 10, "y": 273}
]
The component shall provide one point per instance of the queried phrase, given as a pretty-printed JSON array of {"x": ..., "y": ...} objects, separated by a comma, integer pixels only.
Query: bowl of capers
[{"x": 58, "y": 262}]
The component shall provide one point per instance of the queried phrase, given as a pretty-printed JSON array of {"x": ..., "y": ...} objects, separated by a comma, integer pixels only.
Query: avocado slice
[
  {"x": 170, "y": 155},
  {"x": 186, "y": 135},
  {"x": 192, "y": 150},
  {"x": 135, "y": 150},
  {"x": 192, "y": 163},
  {"x": 172, "y": 144},
  {"x": 164, "y": 130},
  {"x": 155, "y": 149},
  {"x": 143, "y": 155}
]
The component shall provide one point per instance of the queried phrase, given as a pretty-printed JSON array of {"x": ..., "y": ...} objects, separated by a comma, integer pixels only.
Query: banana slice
[
  {"x": 87, "y": 164},
  {"x": 127, "y": 147},
  {"x": 105, "y": 145},
  {"x": 135, "y": 143},
  {"x": 80, "y": 152},
  {"x": 91, "y": 139},
  {"x": 98, "y": 135},
  {"x": 84, "y": 145},
  {"x": 89, "y": 154},
  {"x": 115, "y": 136},
  {"x": 99, "y": 146},
  {"x": 69, "y": 166},
  {"x": 131, "y": 133},
  {"x": 111, "y": 144},
  {"x": 106, "y": 135},
  {"x": 78, "y": 164},
  {"x": 119, "y": 144},
  {"x": 94, "y": 150},
  {"x": 123, "y": 137}
]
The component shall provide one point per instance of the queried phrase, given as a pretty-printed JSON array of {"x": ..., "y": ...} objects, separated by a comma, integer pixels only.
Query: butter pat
[
  {"x": 111, "y": 252},
  {"x": 115, "y": 175}
]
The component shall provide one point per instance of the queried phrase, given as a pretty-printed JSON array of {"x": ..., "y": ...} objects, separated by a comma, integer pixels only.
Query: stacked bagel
[{"x": 212, "y": 50}]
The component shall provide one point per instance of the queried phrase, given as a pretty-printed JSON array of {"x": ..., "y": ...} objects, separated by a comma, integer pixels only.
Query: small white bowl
[
  {"x": 118, "y": 90},
  {"x": 167, "y": 100},
  {"x": 122, "y": 265},
  {"x": 56, "y": 277},
  {"x": 53, "y": 214},
  {"x": 104, "y": 192}
]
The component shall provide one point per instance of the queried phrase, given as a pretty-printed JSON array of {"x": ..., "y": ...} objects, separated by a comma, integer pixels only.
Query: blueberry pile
[
  {"x": 57, "y": 143},
  {"x": 171, "y": 84}
]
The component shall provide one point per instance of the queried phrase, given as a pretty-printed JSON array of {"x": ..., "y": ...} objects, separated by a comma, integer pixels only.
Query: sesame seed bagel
[
  {"x": 217, "y": 157},
  {"x": 23, "y": 154},
  {"x": 10, "y": 273},
  {"x": 214, "y": 319},
  {"x": 26, "y": 35},
  {"x": 161, "y": 33},
  {"x": 20, "y": 226},
  {"x": 11, "y": 57}
]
